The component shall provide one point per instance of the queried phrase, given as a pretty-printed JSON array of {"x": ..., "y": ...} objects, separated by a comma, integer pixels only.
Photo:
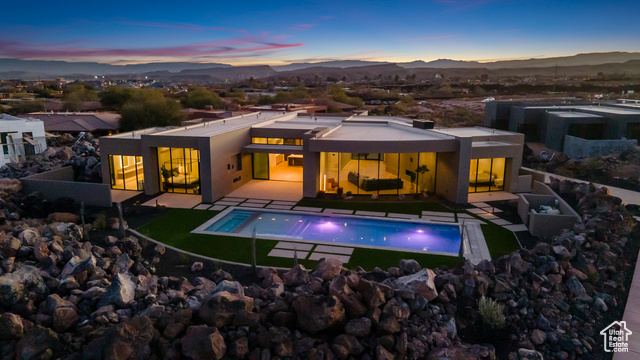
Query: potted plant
[{"x": 421, "y": 170}]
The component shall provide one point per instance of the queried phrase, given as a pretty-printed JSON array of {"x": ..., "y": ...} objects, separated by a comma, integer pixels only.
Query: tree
[
  {"x": 199, "y": 98},
  {"x": 149, "y": 108},
  {"x": 24, "y": 107},
  {"x": 115, "y": 97},
  {"x": 75, "y": 96}
]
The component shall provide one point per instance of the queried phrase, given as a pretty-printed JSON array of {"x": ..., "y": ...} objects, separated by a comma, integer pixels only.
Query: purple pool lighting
[{"x": 354, "y": 231}]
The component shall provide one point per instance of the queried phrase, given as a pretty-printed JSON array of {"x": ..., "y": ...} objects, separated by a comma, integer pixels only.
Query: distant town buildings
[{"x": 76, "y": 122}]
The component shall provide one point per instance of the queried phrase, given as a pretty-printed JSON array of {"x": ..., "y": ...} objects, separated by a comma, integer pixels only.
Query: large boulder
[
  {"x": 130, "y": 340},
  {"x": 76, "y": 265},
  {"x": 11, "y": 326},
  {"x": 328, "y": 268},
  {"x": 203, "y": 342},
  {"x": 10, "y": 186},
  {"x": 39, "y": 343},
  {"x": 420, "y": 283},
  {"x": 62, "y": 311},
  {"x": 339, "y": 288},
  {"x": 22, "y": 285},
  {"x": 316, "y": 313},
  {"x": 220, "y": 308},
  {"x": 121, "y": 292},
  {"x": 298, "y": 275}
]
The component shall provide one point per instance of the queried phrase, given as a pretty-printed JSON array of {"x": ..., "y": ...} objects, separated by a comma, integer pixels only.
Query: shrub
[
  {"x": 492, "y": 312},
  {"x": 184, "y": 258},
  {"x": 100, "y": 223},
  {"x": 592, "y": 275}
]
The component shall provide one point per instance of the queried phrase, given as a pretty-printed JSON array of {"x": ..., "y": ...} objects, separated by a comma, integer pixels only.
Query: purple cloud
[
  {"x": 23, "y": 50},
  {"x": 302, "y": 27}
]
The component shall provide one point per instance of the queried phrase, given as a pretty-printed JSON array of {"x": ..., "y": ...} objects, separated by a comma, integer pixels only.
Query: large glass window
[
  {"x": 126, "y": 172},
  {"x": 374, "y": 173},
  {"x": 486, "y": 175},
  {"x": 276, "y": 141},
  {"x": 283, "y": 167},
  {"x": 179, "y": 170}
]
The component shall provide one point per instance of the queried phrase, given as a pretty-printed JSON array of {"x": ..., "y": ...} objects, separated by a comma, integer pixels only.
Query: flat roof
[
  {"x": 490, "y": 143},
  {"x": 138, "y": 133},
  {"x": 610, "y": 110},
  {"x": 574, "y": 114},
  {"x": 473, "y": 131},
  {"x": 597, "y": 108},
  {"x": 301, "y": 123},
  {"x": 218, "y": 127},
  {"x": 381, "y": 131}
]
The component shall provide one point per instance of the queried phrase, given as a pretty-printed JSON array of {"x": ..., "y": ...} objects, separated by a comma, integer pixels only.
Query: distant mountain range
[
  {"x": 62, "y": 68},
  {"x": 571, "y": 65}
]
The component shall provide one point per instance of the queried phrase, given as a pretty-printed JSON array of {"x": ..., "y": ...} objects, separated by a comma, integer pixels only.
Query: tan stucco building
[{"x": 358, "y": 155}]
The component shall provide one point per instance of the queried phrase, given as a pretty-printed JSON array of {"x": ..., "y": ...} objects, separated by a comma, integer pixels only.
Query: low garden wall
[
  {"x": 578, "y": 148},
  {"x": 59, "y": 183}
]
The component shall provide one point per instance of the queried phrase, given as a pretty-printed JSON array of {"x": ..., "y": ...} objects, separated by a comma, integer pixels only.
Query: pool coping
[{"x": 201, "y": 230}]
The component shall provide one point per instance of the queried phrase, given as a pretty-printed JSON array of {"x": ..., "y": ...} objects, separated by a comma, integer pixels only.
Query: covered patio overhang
[{"x": 272, "y": 149}]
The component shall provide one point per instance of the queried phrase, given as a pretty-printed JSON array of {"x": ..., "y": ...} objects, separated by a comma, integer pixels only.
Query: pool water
[{"x": 412, "y": 236}]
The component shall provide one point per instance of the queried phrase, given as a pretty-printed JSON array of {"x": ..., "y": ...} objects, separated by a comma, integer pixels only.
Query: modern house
[
  {"x": 356, "y": 155},
  {"x": 551, "y": 124},
  {"x": 20, "y": 137}
]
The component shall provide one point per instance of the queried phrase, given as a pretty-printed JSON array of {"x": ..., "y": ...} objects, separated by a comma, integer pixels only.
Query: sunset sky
[{"x": 280, "y": 32}]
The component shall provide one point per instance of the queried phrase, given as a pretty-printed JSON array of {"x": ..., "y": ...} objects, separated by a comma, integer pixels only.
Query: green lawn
[
  {"x": 174, "y": 228},
  {"x": 499, "y": 240}
]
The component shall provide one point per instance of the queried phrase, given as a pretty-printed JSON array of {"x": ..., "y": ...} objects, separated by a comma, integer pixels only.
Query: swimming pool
[{"x": 406, "y": 235}]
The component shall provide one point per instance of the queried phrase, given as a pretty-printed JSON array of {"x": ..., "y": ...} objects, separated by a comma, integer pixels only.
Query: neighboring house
[
  {"x": 288, "y": 107},
  {"x": 76, "y": 122},
  {"x": 363, "y": 155},
  {"x": 20, "y": 137},
  {"x": 550, "y": 124}
]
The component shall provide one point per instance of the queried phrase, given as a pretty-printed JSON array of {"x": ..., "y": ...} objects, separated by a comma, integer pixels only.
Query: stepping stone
[
  {"x": 290, "y": 203},
  {"x": 338, "y": 211},
  {"x": 202, "y": 207},
  {"x": 488, "y": 216},
  {"x": 307, "y": 208},
  {"x": 491, "y": 210},
  {"x": 517, "y": 227},
  {"x": 217, "y": 207},
  {"x": 258, "y": 201},
  {"x": 251, "y": 205},
  {"x": 501, "y": 222},
  {"x": 473, "y": 221},
  {"x": 294, "y": 245},
  {"x": 288, "y": 253},
  {"x": 437, "y": 213},
  {"x": 465, "y": 216},
  {"x": 370, "y": 213},
  {"x": 476, "y": 211},
  {"x": 318, "y": 256},
  {"x": 233, "y": 199},
  {"x": 403, "y": 216},
  {"x": 440, "y": 219},
  {"x": 334, "y": 249},
  {"x": 279, "y": 207},
  {"x": 228, "y": 203},
  {"x": 480, "y": 204}
]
